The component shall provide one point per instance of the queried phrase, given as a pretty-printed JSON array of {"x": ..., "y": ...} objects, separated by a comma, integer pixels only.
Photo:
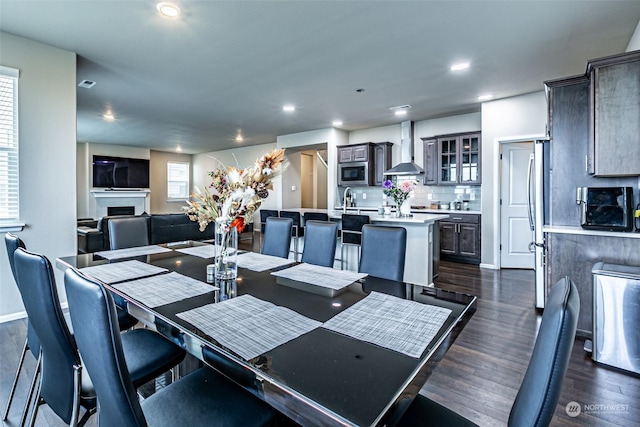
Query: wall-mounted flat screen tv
[{"x": 120, "y": 172}]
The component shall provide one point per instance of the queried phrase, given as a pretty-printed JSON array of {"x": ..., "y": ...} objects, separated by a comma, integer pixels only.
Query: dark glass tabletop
[{"x": 321, "y": 377}]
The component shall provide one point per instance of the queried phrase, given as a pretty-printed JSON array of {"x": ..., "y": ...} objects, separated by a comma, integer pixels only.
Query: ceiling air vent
[{"x": 87, "y": 84}]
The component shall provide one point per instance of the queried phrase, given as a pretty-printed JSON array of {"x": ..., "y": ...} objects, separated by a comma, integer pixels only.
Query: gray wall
[
  {"x": 519, "y": 117},
  {"x": 47, "y": 132}
]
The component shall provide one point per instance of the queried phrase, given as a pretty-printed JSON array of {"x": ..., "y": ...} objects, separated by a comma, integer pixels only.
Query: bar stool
[
  {"x": 352, "y": 233},
  {"x": 297, "y": 231},
  {"x": 315, "y": 216}
]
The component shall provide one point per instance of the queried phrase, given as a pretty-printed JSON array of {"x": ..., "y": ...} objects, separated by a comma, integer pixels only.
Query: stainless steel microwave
[
  {"x": 354, "y": 174},
  {"x": 606, "y": 208}
]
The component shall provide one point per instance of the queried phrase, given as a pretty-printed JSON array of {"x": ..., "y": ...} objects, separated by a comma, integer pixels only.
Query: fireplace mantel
[
  {"x": 120, "y": 193},
  {"x": 105, "y": 198}
]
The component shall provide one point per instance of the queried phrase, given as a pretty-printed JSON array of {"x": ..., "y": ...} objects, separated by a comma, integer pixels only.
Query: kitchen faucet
[{"x": 344, "y": 199}]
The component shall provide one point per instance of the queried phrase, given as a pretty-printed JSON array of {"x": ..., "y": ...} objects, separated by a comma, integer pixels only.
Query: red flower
[{"x": 238, "y": 223}]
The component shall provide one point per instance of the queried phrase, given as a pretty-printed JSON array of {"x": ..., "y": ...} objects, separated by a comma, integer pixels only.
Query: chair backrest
[
  {"x": 320, "y": 243},
  {"x": 277, "y": 237},
  {"x": 315, "y": 216},
  {"x": 12, "y": 243},
  {"x": 264, "y": 214},
  {"x": 128, "y": 232},
  {"x": 95, "y": 324},
  {"x": 539, "y": 392},
  {"x": 383, "y": 251},
  {"x": 352, "y": 228},
  {"x": 59, "y": 352}
]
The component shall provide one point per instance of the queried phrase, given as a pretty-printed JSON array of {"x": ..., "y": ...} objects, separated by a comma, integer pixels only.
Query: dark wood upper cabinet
[
  {"x": 430, "y": 146},
  {"x": 614, "y": 147},
  {"x": 382, "y": 161},
  {"x": 355, "y": 152}
]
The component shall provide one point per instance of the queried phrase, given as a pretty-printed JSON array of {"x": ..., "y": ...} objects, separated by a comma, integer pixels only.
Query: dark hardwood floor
[{"x": 479, "y": 376}]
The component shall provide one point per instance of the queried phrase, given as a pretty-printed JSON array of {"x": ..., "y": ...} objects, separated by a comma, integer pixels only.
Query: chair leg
[
  {"x": 36, "y": 401},
  {"x": 341, "y": 256},
  {"x": 34, "y": 385},
  {"x": 77, "y": 384},
  {"x": 15, "y": 381}
]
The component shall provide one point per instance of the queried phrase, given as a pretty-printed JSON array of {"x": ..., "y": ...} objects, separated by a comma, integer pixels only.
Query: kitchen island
[{"x": 422, "y": 240}]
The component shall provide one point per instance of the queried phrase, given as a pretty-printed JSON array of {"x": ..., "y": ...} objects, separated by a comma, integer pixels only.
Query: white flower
[{"x": 234, "y": 176}]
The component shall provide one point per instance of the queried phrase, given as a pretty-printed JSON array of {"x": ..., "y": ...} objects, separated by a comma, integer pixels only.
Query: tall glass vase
[
  {"x": 226, "y": 241},
  {"x": 405, "y": 208}
]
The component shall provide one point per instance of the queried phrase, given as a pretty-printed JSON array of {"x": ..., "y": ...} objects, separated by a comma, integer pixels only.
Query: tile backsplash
[{"x": 423, "y": 195}]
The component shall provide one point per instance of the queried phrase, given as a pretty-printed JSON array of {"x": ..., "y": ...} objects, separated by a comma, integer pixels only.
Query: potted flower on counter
[{"x": 399, "y": 193}]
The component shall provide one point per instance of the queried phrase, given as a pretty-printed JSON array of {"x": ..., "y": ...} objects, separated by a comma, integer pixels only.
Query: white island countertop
[{"x": 416, "y": 218}]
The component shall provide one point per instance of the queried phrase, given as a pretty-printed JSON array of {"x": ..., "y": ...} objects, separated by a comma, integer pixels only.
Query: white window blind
[
  {"x": 9, "y": 200},
  {"x": 177, "y": 180}
]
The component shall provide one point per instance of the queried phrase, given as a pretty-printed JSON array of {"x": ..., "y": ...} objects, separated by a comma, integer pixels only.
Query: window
[
  {"x": 177, "y": 180},
  {"x": 9, "y": 200}
]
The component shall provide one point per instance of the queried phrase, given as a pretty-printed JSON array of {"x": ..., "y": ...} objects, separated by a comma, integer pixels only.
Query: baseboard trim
[
  {"x": 22, "y": 314},
  {"x": 13, "y": 316},
  {"x": 489, "y": 266}
]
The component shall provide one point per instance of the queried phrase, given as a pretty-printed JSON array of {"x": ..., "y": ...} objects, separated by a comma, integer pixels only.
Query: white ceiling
[{"x": 225, "y": 67}]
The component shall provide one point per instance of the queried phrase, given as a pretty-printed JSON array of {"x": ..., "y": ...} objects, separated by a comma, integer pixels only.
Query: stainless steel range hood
[{"x": 406, "y": 165}]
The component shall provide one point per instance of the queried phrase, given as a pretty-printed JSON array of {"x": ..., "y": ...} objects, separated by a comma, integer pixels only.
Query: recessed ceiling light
[
  {"x": 400, "y": 112},
  {"x": 87, "y": 84},
  {"x": 178, "y": 149},
  {"x": 485, "y": 97},
  {"x": 289, "y": 108},
  {"x": 460, "y": 66},
  {"x": 108, "y": 117},
  {"x": 337, "y": 122},
  {"x": 168, "y": 9},
  {"x": 239, "y": 138}
]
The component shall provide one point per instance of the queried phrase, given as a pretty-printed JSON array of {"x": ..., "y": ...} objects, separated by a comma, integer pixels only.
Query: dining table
[{"x": 322, "y": 346}]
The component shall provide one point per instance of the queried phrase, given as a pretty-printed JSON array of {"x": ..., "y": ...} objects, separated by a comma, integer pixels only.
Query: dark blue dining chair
[
  {"x": 64, "y": 385},
  {"x": 264, "y": 214},
  {"x": 31, "y": 343},
  {"x": 201, "y": 398},
  {"x": 539, "y": 392},
  {"x": 277, "y": 237},
  {"x": 320, "y": 243},
  {"x": 383, "y": 251},
  {"x": 128, "y": 232}
]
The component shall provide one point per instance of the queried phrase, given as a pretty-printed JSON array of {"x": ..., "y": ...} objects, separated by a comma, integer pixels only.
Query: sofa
[{"x": 93, "y": 235}]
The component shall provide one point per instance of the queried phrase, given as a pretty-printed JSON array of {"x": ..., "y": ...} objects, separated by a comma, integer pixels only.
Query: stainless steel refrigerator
[{"x": 538, "y": 209}]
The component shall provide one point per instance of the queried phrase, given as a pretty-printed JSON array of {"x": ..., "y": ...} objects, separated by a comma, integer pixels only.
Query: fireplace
[
  {"x": 121, "y": 210},
  {"x": 110, "y": 202}
]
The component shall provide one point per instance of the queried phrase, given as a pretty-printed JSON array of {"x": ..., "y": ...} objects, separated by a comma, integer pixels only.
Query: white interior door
[{"x": 515, "y": 233}]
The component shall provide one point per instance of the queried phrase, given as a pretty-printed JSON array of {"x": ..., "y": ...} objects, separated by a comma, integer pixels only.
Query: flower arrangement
[
  {"x": 237, "y": 193},
  {"x": 400, "y": 192}
]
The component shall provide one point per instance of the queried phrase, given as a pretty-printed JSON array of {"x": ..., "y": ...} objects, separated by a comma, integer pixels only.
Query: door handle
[{"x": 529, "y": 201}]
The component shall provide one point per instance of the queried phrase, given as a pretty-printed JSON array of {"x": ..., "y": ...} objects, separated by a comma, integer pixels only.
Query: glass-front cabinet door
[
  {"x": 448, "y": 160},
  {"x": 459, "y": 159},
  {"x": 470, "y": 159}
]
